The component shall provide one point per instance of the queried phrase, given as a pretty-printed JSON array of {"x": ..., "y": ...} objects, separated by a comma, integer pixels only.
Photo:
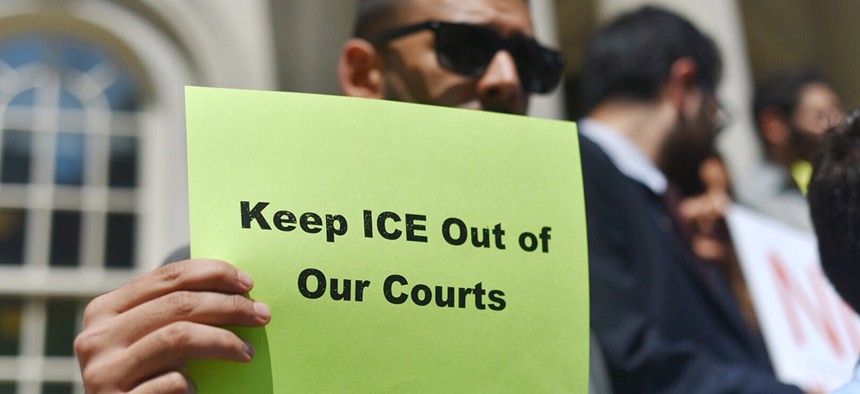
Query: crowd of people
[{"x": 670, "y": 312}]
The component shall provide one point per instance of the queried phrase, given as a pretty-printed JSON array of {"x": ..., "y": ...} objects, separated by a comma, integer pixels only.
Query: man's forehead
[{"x": 507, "y": 16}]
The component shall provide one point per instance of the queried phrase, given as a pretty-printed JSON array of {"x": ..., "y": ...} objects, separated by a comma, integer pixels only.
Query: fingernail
[
  {"x": 249, "y": 348},
  {"x": 263, "y": 311},
  {"x": 245, "y": 279}
]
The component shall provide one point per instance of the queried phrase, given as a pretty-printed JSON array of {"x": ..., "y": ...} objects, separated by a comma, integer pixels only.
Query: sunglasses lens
[
  {"x": 468, "y": 50},
  {"x": 540, "y": 68},
  {"x": 464, "y": 49}
]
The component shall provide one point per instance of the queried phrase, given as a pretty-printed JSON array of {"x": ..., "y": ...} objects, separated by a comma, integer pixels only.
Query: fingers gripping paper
[{"x": 401, "y": 247}]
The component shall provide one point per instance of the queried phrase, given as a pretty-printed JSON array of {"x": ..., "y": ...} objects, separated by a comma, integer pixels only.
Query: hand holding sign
[{"x": 139, "y": 337}]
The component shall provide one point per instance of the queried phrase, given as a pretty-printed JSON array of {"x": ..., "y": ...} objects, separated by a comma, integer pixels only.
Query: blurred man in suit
[{"x": 666, "y": 320}]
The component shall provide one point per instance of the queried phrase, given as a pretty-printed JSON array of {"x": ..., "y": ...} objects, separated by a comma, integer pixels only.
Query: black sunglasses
[{"x": 468, "y": 50}]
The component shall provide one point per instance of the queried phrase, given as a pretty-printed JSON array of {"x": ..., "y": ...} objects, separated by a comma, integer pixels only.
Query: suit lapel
[{"x": 705, "y": 275}]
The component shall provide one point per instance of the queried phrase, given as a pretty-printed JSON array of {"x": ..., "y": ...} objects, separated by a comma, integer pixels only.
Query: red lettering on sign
[{"x": 795, "y": 300}]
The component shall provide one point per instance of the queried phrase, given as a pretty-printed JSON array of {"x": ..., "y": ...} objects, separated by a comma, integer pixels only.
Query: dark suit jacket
[{"x": 666, "y": 322}]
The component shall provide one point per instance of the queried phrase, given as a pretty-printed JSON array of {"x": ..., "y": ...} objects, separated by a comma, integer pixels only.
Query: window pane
[
  {"x": 123, "y": 162},
  {"x": 8, "y": 388},
  {"x": 21, "y": 51},
  {"x": 70, "y": 159},
  {"x": 79, "y": 55},
  {"x": 60, "y": 333},
  {"x": 13, "y": 222},
  {"x": 65, "y": 238},
  {"x": 17, "y": 146},
  {"x": 57, "y": 388},
  {"x": 120, "y": 240},
  {"x": 123, "y": 94},
  {"x": 68, "y": 101},
  {"x": 10, "y": 327},
  {"x": 26, "y": 98}
]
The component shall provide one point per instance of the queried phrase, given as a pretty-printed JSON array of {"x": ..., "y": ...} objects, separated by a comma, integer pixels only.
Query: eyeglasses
[
  {"x": 722, "y": 116},
  {"x": 468, "y": 50}
]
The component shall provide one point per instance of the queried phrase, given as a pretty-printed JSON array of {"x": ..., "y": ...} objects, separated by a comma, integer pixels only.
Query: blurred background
[{"x": 92, "y": 148}]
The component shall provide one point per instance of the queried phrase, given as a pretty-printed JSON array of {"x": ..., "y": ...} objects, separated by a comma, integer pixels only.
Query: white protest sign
[{"x": 812, "y": 336}]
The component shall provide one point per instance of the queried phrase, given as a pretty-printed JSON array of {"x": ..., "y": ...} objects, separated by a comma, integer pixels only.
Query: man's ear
[
  {"x": 682, "y": 78},
  {"x": 360, "y": 70},
  {"x": 773, "y": 126}
]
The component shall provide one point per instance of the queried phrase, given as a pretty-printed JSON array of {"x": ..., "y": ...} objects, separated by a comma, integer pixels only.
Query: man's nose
[{"x": 500, "y": 89}]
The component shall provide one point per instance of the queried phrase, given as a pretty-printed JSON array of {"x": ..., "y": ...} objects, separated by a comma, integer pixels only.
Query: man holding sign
[{"x": 470, "y": 54}]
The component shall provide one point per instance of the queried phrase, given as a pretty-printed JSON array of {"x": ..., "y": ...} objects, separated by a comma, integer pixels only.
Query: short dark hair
[
  {"x": 374, "y": 16},
  {"x": 633, "y": 55},
  {"x": 834, "y": 202},
  {"x": 781, "y": 90}
]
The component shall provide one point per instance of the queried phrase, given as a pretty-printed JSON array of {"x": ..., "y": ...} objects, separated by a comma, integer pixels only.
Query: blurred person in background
[
  {"x": 665, "y": 319},
  {"x": 792, "y": 110},
  {"x": 477, "y": 54},
  {"x": 834, "y": 202}
]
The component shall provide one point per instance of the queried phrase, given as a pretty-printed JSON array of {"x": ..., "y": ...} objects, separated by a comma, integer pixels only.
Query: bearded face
[
  {"x": 818, "y": 108},
  {"x": 690, "y": 144}
]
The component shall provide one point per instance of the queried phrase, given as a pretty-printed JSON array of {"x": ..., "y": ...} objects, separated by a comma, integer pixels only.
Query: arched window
[
  {"x": 92, "y": 155},
  {"x": 70, "y": 163},
  {"x": 69, "y": 153}
]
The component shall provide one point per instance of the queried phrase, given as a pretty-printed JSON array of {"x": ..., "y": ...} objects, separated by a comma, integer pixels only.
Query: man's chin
[{"x": 471, "y": 105}]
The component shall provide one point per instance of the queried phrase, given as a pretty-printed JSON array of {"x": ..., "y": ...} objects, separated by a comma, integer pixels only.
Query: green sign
[{"x": 401, "y": 247}]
